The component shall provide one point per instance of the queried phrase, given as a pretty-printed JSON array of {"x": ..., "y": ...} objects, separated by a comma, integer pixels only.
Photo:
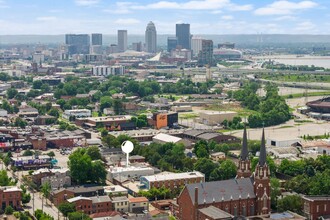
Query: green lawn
[
  {"x": 241, "y": 111},
  {"x": 188, "y": 115},
  {"x": 299, "y": 95},
  {"x": 312, "y": 77}
]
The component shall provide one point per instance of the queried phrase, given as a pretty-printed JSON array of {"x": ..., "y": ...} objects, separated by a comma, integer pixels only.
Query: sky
[{"x": 50, "y": 17}]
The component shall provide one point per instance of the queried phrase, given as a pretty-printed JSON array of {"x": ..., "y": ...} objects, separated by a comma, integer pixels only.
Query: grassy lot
[
  {"x": 299, "y": 95},
  {"x": 188, "y": 115},
  {"x": 243, "y": 112},
  {"x": 313, "y": 77}
]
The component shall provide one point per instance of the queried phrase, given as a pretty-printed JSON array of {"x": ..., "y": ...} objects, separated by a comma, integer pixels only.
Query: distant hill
[{"x": 239, "y": 39}]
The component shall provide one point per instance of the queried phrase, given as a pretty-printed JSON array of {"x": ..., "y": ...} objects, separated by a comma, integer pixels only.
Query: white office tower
[
  {"x": 151, "y": 38},
  {"x": 196, "y": 44}
]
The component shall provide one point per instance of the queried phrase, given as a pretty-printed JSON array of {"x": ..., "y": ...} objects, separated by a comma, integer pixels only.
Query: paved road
[{"x": 36, "y": 198}]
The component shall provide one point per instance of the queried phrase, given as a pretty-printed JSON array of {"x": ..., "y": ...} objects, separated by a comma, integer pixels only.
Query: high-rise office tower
[
  {"x": 77, "y": 43},
  {"x": 196, "y": 44},
  {"x": 151, "y": 38},
  {"x": 122, "y": 40},
  {"x": 205, "y": 56},
  {"x": 96, "y": 39},
  {"x": 172, "y": 42},
  {"x": 183, "y": 34}
]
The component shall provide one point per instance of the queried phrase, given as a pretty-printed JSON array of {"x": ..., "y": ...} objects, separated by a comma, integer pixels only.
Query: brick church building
[{"x": 246, "y": 195}]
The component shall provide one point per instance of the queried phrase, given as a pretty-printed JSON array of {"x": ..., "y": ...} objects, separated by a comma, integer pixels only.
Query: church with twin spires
[{"x": 246, "y": 195}]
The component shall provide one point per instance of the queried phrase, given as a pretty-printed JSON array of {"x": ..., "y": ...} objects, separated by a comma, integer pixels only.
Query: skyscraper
[
  {"x": 172, "y": 42},
  {"x": 122, "y": 40},
  {"x": 96, "y": 39},
  {"x": 205, "y": 56},
  {"x": 77, "y": 43},
  {"x": 196, "y": 44},
  {"x": 151, "y": 38},
  {"x": 183, "y": 35}
]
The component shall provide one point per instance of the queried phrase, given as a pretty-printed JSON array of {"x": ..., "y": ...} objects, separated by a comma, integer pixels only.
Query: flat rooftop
[{"x": 173, "y": 176}]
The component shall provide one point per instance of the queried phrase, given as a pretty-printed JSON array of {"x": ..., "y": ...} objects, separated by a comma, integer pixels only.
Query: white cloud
[
  {"x": 86, "y": 2},
  {"x": 305, "y": 26},
  {"x": 284, "y": 7},
  {"x": 195, "y": 5},
  {"x": 227, "y": 17},
  {"x": 216, "y": 12},
  {"x": 285, "y": 18},
  {"x": 47, "y": 18},
  {"x": 234, "y": 7},
  {"x": 121, "y": 8},
  {"x": 127, "y": 21}
]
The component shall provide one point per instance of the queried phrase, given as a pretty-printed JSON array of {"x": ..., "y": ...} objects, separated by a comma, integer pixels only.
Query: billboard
[{"x": 161, "y": 120}]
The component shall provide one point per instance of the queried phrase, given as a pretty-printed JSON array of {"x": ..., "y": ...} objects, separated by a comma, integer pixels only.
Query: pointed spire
[
  {"x": 263, "y": 155},
  {"x": 245, "y": 151}
]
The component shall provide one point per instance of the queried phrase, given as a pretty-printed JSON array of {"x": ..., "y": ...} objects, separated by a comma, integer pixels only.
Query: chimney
[{"x": 196, "y": 196}]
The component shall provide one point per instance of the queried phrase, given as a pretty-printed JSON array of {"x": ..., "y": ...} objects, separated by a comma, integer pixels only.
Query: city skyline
[{"x": 204, "y": 16}]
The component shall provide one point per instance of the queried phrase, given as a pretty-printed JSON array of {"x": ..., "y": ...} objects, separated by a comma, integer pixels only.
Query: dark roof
[
  {"x": 263, "y": 155},
  {"x": 225, "y": 190},
  {"x": 245, "y": 152},
  {"x": 194, "y": 132},
  {"x": 208, "y": 135},
  {"x": 215, "y": 213}
]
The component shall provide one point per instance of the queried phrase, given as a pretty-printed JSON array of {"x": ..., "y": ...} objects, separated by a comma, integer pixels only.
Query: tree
[
  {"x": 110, "y": 141},
  {"x": 4, "y": 179},
  {"x": 19, "y": 122},
  {"x": 26, "y": 198},
  {"x": 11, "y": 93},
  {"x": 205, "y": 166},
  {"x": 66, "y": 208},
  {"x": 292, "y": 203},
  {"x": 28, "y": 152},
  {"x": 51, "y": 154},
  {"x": 78, "y": 216},
  {"x": 83, "y": 170},
  {"x": 94, "y": 153},
  {"x": 117, "y": 106},
  {"x": 45, "y": 190},
  {"x": 37, "y": 84},
  {"x": 9, "y": 210},
  {"x": 79, "y": 164},
  {"x": 275, "y": 191},
  {"x": 104, "y": 132},
  {"x": 54, "y": 112},
  {"x": 105, "y": 102},
  {"x": 98, "y": 173},
  {"x": 228, "y": 169}
]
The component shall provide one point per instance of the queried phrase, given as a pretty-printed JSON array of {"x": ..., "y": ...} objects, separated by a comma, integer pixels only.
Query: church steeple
[
  {"x": 263, "y": 155},
  {"x": 244, "y": 165},
  {"x": 245, "y": 152},
  {"x": 262, "y": 180}
]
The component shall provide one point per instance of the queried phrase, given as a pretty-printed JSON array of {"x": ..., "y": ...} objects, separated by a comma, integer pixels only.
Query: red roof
[
  {"x": 138, "y": 199},
  {"x": 104, "y": 214}
]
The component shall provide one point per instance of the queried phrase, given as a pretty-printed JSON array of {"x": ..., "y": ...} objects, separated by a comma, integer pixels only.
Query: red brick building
[
  {"x": 90, "y": 205},
  {"x": 316, "y": 206},
  {"x": 10, "y": 196},
  {"x": 246, "y": 195},
  {"x": 62, "y": 195}
]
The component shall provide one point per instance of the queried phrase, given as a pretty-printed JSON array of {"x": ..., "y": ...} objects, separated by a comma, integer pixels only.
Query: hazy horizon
[
  {"x": 239, "y": 39},
  {"x": 204, "y": 16}
]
